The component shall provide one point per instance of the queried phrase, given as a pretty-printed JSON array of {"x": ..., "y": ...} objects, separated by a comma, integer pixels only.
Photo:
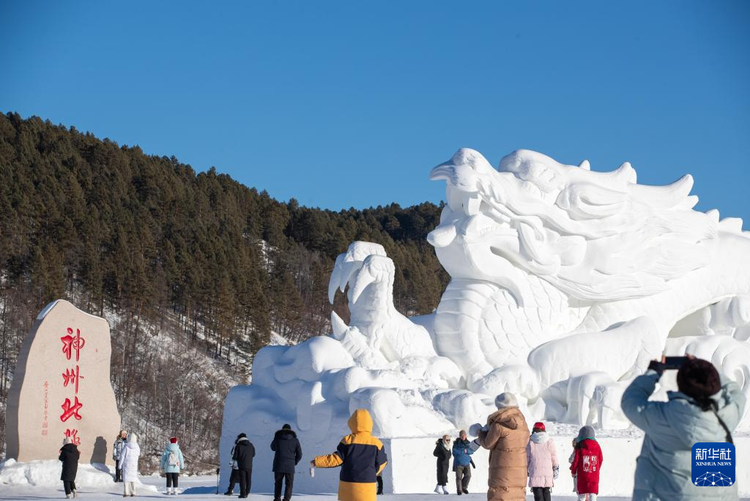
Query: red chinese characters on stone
[
  {"x": 73, "y": 435},
  {"x": 70, "y": 410},
  {"x": 71, "y": 376},
  {"x": 71, "y": 342}
]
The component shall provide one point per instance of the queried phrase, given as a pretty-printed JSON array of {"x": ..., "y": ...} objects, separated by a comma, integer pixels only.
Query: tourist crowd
[{"x": 703, "y": 410}]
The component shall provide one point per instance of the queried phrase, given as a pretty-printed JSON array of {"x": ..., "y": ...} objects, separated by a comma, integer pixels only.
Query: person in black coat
[
  {"x": 69, "y": 455},
  {"x": 443, "y": 454},
  {"x": 234, "y": 477},
  {"x": 244, "y": 452},
  {"x": 288, "y": 453}
]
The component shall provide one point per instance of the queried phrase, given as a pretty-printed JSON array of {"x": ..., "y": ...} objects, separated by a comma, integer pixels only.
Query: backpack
[{"x": 173, "y": 459}]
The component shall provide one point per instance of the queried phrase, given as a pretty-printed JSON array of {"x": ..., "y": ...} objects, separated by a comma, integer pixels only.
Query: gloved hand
[
  {"x": 474, "y": 429},
  {"x": 555, "y": 472}
]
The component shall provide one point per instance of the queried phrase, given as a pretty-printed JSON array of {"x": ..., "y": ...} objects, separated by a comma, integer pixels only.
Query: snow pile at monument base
[
  {"x": 565, "y": 283},
  {"x": 46, "y": 474}
]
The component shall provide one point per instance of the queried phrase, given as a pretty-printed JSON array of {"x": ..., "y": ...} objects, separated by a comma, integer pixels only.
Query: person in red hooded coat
[{"x": 587, "y": 463}]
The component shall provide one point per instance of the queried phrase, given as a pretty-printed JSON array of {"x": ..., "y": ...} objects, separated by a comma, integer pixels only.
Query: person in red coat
[{"x": 587, "y": 463}]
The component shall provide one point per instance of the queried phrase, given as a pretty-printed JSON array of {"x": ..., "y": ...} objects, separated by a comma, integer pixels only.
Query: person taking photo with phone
[{"x": 703, "y": 410}]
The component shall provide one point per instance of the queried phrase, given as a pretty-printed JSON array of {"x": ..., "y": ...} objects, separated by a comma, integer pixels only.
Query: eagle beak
[{"x": 443, "y": 172}]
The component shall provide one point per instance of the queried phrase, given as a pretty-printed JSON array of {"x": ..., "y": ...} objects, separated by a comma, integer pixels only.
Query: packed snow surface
[{"x": 203, "y": 488}]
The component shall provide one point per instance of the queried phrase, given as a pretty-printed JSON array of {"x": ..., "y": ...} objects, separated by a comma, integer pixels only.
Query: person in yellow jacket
[{"x": 361, "y": 457}]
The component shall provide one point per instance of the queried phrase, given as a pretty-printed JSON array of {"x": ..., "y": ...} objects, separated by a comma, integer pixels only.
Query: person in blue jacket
[
  {"x": 703, "y": 410},
  {"x": 172, "y": 462},
  {"x": 463, "y": 448}
]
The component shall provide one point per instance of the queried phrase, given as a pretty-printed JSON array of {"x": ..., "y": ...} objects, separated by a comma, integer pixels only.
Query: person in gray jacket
[
  {"x": 117, "y": 453},
  {"x": 701, "y": 411}
]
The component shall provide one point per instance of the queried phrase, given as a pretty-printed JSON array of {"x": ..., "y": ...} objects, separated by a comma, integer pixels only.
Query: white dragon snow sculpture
[{"x": 565, "y": 282}]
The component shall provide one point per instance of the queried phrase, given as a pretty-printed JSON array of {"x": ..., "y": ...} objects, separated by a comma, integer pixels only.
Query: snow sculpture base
[{"x": 411, "y": 467}]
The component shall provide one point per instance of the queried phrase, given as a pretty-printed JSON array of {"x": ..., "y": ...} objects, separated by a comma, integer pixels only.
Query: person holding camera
[{"x": 703, "y": 410}]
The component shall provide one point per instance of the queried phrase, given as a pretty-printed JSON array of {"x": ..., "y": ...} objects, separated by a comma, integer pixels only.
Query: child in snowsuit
[
  {"x": 443, "y": 454},
  {"x": 542, "y": 460},
  {"x": 587, "y": 463},
  {"x": 361, "y": 457}
]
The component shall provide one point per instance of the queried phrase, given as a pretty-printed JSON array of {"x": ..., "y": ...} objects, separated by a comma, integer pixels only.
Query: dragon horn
[{"x": 335, "y": 281}]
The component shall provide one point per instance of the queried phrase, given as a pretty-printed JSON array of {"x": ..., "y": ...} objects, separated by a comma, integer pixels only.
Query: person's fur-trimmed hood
[
  {"x": 509, "y": 417},
  {"x": 285, "y": 434}
]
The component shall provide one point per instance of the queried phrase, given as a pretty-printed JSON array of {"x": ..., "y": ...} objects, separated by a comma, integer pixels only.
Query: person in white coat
[
  {"x": 543, "y": 465},
  {"x": 129, "y": 462}
]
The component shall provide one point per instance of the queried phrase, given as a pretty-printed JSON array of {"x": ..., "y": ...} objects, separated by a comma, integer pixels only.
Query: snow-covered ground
[
  {"x": 204, "y": 488},
  {"x": 201, "y": 488}
]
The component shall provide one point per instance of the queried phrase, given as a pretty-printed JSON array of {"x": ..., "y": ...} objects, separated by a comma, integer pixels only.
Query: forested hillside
[{"x": 194, "y": 270}]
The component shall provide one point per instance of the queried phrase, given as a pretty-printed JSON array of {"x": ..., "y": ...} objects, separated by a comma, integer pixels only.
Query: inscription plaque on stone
[{"x": 61, "y": 388}]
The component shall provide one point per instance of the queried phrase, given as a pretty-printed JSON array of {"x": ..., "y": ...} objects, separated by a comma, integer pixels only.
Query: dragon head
[{"x": 597, "y": 236}]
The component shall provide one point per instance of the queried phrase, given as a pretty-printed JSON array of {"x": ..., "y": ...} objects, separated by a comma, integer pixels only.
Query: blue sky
[{"x": 343, "y": 104}]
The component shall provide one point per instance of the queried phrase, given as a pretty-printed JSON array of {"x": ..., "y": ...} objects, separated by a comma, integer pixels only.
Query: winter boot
[{"x": 437, "y": 489}]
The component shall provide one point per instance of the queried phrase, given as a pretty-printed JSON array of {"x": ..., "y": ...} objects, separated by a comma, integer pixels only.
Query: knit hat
[
  {"x": 539, "y": 426},
  {"x": 173, "y": 440},
  {"x": 698, "y": 379},
  {"x": 241, "y": 435},
  {"x": 586, "y": 432},
  {"x": 506, "y": 399},
  {"x": 286, "y": 427}
]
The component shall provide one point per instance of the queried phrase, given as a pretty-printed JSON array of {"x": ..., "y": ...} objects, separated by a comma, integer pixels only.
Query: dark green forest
[{"x": 193, "y": 269}]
